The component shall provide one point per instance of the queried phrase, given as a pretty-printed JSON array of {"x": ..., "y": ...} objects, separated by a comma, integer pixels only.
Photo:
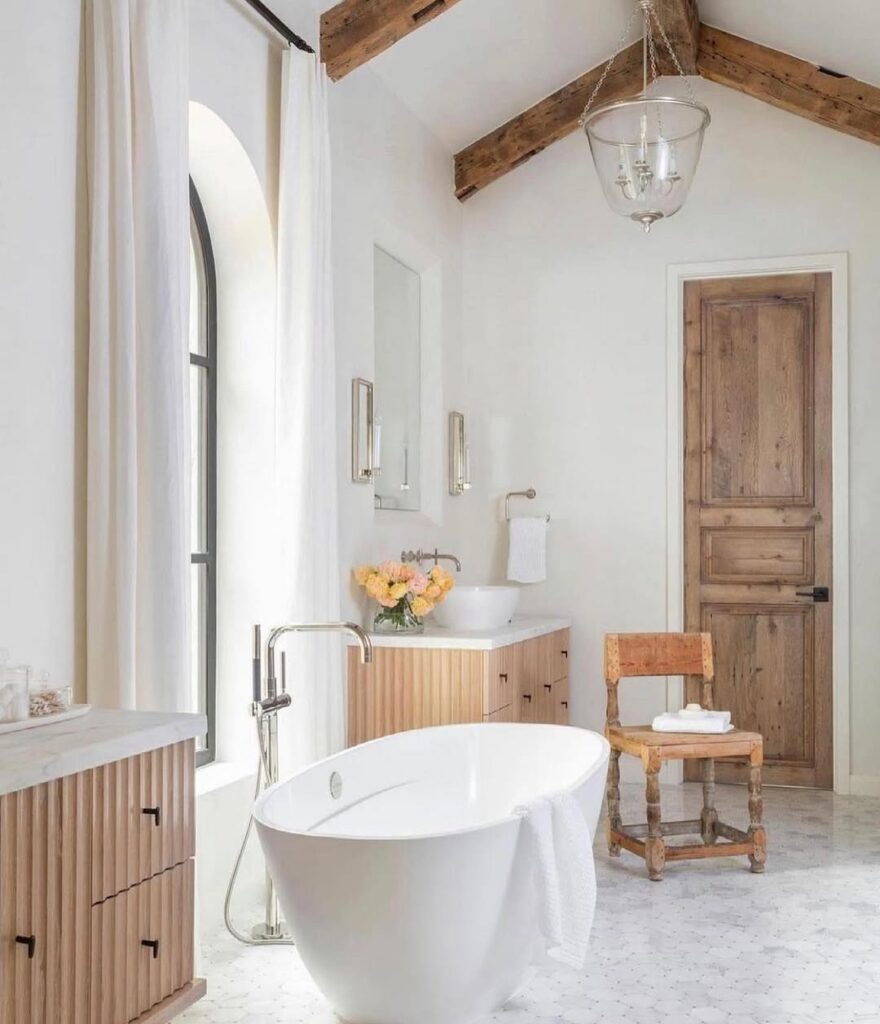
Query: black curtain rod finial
[{"x": 283, "y": 30}]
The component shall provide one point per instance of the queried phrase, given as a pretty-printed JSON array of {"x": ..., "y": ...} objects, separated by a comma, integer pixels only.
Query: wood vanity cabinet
[
  {"x": 96, "y": 894},
  {"x": 410, "y": 687}
]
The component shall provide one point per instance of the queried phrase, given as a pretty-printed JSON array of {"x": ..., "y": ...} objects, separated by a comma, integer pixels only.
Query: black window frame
[{"x": 208, "y": 557}]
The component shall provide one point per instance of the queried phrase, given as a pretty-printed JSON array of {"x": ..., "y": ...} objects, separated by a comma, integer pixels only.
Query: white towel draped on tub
[
  {"x": 527, "y": 555},
  {"x": 565, "y": 875}
]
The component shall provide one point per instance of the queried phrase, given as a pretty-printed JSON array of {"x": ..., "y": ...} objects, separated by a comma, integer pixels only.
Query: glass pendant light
[{"x": 646, "y": 149}]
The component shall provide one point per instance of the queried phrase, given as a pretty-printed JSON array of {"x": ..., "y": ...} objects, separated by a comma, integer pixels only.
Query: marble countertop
[
  {"x": 521, "y": 628},
  {"x": 48, "y": 752}
]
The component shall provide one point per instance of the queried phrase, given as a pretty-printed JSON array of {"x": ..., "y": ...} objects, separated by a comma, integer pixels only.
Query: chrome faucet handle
[{"x": 284, "y": 671}]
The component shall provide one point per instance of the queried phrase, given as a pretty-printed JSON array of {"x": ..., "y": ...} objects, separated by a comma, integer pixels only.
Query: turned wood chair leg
[
  {"x": 612, "y": 795},
  {"x": 709, "y": 816},
  {"x": 758, "y": 858},
  {"x": 655, "y": 845}
]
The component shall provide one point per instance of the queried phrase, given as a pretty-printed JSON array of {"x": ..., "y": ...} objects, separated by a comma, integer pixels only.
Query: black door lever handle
[{"x": 818, "y": 594}]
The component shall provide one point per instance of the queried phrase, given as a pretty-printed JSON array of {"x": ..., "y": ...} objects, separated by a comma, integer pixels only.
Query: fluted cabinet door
[
  {"x": 144, "y": 809},
  {"x": 142, "y": 946},
  {"x": 44, "y": 903}
]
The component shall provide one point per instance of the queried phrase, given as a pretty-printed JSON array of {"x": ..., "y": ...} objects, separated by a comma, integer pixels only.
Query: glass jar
[
  {"x": 14, "y": 699},
  {"x": 46, "y": 699},
  {"x": 399, "y": 619}
]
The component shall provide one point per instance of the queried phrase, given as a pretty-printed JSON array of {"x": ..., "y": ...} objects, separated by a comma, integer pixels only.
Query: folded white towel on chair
[
  {"x": 710, "y": 722},
  {"x": 565, "y": 874},
  {"x": 527, "y": 555}
]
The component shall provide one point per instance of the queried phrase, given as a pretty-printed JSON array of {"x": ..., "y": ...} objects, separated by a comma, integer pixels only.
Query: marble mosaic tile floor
[{"x": 711, "y": 944}]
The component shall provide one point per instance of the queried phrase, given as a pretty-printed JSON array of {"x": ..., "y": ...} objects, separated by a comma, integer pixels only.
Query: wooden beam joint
[{"x": 681, "y": 23}]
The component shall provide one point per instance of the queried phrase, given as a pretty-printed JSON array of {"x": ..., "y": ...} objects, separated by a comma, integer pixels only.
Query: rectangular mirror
[{"x": 398, "y": 384}]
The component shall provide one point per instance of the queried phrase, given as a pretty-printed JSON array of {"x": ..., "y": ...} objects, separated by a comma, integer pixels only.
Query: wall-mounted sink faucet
[{"x": 424, "y": 556}]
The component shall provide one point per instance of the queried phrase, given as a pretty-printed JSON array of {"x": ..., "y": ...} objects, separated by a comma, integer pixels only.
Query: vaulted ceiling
[{"x": 475, "y": 71}]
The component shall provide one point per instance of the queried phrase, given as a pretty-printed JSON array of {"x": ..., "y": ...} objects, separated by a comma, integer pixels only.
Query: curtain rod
[{"x": 279, "y": 26}]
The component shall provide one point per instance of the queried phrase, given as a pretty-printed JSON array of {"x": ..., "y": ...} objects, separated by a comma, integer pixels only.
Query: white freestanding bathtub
[{"x": 400, "y": 871}]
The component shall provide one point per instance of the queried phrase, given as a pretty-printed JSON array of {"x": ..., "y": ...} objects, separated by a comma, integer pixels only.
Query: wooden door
[{"x": 757, "y": 487}]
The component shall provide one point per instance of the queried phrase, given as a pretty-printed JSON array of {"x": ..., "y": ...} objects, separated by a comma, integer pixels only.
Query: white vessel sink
[{"x": 477, "y": 608}]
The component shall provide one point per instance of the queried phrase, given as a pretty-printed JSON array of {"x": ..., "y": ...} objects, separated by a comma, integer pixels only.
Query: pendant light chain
[
  {"x": 650, "y": 13},
  {"x": 624, "y": 35},
  {"x": 687, "y": 84}
]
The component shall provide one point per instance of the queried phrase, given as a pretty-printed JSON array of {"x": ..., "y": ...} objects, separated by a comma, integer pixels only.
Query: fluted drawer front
[
  {"x": 142, "y": 946},
  {"x": 144, "y": 809},
  {"x": 44, "y": 903}
]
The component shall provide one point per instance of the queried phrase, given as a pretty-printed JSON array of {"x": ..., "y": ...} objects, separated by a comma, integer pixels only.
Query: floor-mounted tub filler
[{"x": 400, "y": 867}]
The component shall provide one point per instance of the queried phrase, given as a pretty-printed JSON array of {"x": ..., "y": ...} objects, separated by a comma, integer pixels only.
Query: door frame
[{"x": 676, "y": 274}]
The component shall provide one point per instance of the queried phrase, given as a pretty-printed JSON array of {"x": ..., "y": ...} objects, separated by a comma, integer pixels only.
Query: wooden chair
[{"x": 670, "y": 654}]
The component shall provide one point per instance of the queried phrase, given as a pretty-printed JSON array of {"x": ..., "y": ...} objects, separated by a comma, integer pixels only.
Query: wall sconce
[
  {"x": 364, "y": 456},
  {"x": 459, "y": 456}
]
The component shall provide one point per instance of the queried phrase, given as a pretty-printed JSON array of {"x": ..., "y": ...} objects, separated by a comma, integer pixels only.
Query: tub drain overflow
[{"x": 335, "y": 785}]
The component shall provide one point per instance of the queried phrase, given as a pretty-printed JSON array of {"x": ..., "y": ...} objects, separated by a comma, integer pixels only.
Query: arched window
[{"x": 203, "y": 399}]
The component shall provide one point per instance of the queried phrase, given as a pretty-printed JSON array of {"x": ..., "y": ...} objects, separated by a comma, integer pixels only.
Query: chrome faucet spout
[
  {"x": 312, "y": 627},
  {"x": 447, "y": 558}
]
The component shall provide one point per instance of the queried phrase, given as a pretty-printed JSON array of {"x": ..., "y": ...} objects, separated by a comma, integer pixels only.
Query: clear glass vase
[{"x": 399, "y": 619}]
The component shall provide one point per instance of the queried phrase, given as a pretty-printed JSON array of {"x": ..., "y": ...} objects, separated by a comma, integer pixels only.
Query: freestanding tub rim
[{"x": 597, "y": 765}]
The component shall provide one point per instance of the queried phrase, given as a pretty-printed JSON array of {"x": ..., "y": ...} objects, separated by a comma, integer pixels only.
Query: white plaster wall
[
  {"x": 393, "y": 184},
  {"x": 42, "y": 340},
  {"x": 564, "y": 359}
]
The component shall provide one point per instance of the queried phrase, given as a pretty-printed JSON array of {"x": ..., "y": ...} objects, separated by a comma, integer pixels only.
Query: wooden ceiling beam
[
  {"x": 546, "y": 122},
  {"x": 355, "y": 31},
  {"x": 681, "y": 23},
  {"x": 819, "y": 94}
]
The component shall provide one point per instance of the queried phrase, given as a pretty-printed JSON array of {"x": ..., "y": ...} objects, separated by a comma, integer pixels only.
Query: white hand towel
[
  {"x": 527, "y": 555},
  {"x": 711, "y": 722},
  {"x": 565, "y": 874}
]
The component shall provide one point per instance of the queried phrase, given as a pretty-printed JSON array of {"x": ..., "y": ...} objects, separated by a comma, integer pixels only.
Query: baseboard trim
[{"x": 864, "y": 785}]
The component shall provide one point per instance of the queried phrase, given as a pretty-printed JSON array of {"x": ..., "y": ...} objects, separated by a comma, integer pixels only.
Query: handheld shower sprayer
[{"x": 265, "y": 704}]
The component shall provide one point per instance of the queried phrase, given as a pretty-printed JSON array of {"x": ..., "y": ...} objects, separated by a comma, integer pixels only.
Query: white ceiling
[{"x": 484, "y": 61}]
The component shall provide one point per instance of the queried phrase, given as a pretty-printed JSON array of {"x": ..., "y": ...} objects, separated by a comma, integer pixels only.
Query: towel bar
[{"x": 530, "y": 493}]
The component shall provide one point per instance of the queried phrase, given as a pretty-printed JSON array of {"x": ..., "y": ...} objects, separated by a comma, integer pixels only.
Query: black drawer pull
[
  {"x": 155, "y": 811},
  {"x": 528, "y": 697},
  {"x": 548, "y": 687},
  {"x": 30, "y": 941},
  {"x": 564, "y": 654},
  {"x": 564, "y": 703},
  {"x": 152, "y": 944},
  {"x": 502, "y": 675}
]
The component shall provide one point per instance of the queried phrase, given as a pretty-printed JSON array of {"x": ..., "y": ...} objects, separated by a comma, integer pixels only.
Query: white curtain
[
  {"x": 308, "y": 568},
  {"x": 137, "y": 532}
]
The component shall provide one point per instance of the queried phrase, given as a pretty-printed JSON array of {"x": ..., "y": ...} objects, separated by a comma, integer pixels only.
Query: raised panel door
[{"x": 758, "y": 511}]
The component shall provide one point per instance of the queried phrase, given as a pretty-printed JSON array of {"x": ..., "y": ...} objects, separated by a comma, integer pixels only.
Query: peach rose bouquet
[{"x": 404, "y": 593}]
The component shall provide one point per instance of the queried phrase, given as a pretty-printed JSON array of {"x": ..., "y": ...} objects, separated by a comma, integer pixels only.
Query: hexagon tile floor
[{"x": 711, "y": 944}]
